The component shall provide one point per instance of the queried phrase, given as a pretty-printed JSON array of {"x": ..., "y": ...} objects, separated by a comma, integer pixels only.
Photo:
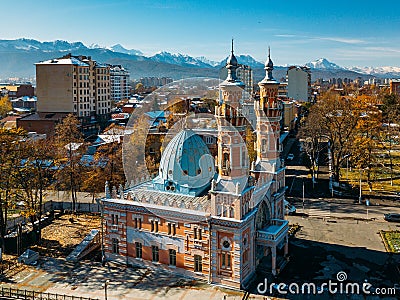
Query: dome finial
[
  {"x": 269, "y": 65},
  {"x": 231, "y": 65}
]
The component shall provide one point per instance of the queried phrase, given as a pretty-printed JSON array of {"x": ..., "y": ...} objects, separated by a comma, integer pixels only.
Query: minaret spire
[
  {"x": 231, "y": 65},
  {"x": 269, "y": 66}
]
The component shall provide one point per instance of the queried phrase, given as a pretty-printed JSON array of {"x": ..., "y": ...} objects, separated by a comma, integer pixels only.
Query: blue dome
[{"x": 186, "y": 165}]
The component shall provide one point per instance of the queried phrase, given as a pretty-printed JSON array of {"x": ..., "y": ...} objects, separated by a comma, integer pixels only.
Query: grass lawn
[
  {"x": 391, "y": 239},
  {"x": 380, "y": 176}
]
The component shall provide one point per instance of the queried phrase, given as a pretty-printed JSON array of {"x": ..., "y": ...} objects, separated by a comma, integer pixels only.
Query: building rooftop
[{"x": 64, "y": 61}]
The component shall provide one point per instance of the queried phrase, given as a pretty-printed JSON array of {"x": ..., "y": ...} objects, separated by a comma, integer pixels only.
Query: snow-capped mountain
[
  {"x": 18, "y": 57},
  {"x": 377, "y": 71},
  {"x": 323, "y": 64},
  {"x": 178, "y": 59},
  {"x": 207, "y": 61},
  {"x": 245, "y": 59},
  {"x": 32, "y": 45},
  {"x": 119, "y": 48}
]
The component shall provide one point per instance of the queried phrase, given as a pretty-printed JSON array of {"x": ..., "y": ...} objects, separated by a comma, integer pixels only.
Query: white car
[
  {"x": 289, "y": 208},
  {"x": 290, "y": 156}
]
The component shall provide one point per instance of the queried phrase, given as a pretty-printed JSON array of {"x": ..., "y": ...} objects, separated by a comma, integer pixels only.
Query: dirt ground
[{"x": 65, "y": 233}]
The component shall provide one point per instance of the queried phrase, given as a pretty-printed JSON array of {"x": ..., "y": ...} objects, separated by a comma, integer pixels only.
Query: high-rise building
[
  {"x": 299, "y": 83},
  {"x": 120, "y": 87},
  {"x": 73, "y": 84},
  {"x": 245, "y": 74}
]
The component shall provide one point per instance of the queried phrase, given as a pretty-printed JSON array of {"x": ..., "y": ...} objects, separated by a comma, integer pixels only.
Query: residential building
[
  {"x": 71, "y": 85},
  {"x": 299, "y": 83},
  {"x": 24, "y": 104},
  {"x": 120, "y": 87},
  {"x": 216, "y": 221},
  {"x": 14, "y": 91},
  {"x": 395, "y": 86}
]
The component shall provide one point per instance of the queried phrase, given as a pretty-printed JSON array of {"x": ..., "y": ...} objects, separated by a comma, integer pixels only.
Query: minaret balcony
[{"x": 273, "y": 233}]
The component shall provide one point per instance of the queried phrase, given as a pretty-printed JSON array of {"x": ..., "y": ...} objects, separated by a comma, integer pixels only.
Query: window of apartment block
[
  {"x": 138, "y": 247},
  {"x": 115, "y": 247},
  {"x": 114, "y": 219},
  {"x": 198, "y": 265},
  {"x": 154, "y": 250},
  {"x": 172, "y": 257}
]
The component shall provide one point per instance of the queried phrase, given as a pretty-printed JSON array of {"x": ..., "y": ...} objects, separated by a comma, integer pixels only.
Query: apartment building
[
  {"x": 119, "y": 78},
  {"x": 70, "y": 85},
  {"x": 299, "y": 83},
  {"x": 73, "y": 84}
]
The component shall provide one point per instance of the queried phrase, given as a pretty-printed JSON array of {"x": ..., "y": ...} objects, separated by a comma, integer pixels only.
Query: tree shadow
[{"x": 317, "y": 262}]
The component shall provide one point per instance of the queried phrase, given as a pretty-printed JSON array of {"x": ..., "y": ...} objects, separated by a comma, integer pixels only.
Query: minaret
[
  {"x": 232, "y": 157},
  {"x": 268, "y": 167},
  {"x": 269, "y": 113}
]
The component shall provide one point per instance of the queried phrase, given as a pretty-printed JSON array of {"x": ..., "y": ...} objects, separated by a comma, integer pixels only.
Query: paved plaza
[{"x": 321, "y": 248}]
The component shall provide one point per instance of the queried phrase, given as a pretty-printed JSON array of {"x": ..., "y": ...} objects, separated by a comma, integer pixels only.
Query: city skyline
[{"x": 349, "y": 34}]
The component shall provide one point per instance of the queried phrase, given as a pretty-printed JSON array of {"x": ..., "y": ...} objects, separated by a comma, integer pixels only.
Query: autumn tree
[
  {"x": 5, "y": 106},
  {"x": 33, "y": 176},
  {"x": 107, "y": 164},
  {"x": 366, "y": 139},
  {"x": 312, "y": 138},
  {"x": 391, "y": 126},
  {"x": 11, "y": 141},
  {"x": 70, "y": 148},
  {"x": 337, "y": 118},
  {"x": 139, "y": 88}
]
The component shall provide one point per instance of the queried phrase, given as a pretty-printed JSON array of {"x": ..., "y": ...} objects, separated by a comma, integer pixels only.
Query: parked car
[
  {"x": 289, "y": 208},
  {"x": 290, "y": 156},
  {"x": 392, "y": 217}
]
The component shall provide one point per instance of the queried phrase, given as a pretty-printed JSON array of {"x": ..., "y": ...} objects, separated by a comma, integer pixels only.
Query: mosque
[{"x": 214, "y": 219}]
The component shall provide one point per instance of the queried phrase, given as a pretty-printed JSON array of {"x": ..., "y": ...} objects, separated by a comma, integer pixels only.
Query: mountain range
[{"x": 17, "y": 59}]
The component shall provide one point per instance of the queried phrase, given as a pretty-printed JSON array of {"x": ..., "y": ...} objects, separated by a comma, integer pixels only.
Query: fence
[
  {"x": 56, "y": 205},
  {"x": 32, "y": 295}
]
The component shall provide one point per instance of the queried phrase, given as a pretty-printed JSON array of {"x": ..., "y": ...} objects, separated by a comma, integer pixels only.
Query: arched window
[{"x": 263, "y": 145}]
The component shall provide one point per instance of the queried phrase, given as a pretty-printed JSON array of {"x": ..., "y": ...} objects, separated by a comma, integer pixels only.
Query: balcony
[{"x": 273, "y": 233}]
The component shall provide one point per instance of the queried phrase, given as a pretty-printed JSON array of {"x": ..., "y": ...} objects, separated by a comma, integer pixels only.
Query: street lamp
[
  {"x": 347, "y": 166},
  {"x": 105, "y": 288},
  {"x": 360, "y": 196},
  {"x": 303, "y": 194}
]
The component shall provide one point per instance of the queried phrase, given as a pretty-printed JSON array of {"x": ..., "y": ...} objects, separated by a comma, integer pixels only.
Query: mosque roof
[{"x": 185, "y": 164}]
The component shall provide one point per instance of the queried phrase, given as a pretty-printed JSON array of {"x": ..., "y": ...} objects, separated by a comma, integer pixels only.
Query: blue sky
[{"x": 349, "y": 33}]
